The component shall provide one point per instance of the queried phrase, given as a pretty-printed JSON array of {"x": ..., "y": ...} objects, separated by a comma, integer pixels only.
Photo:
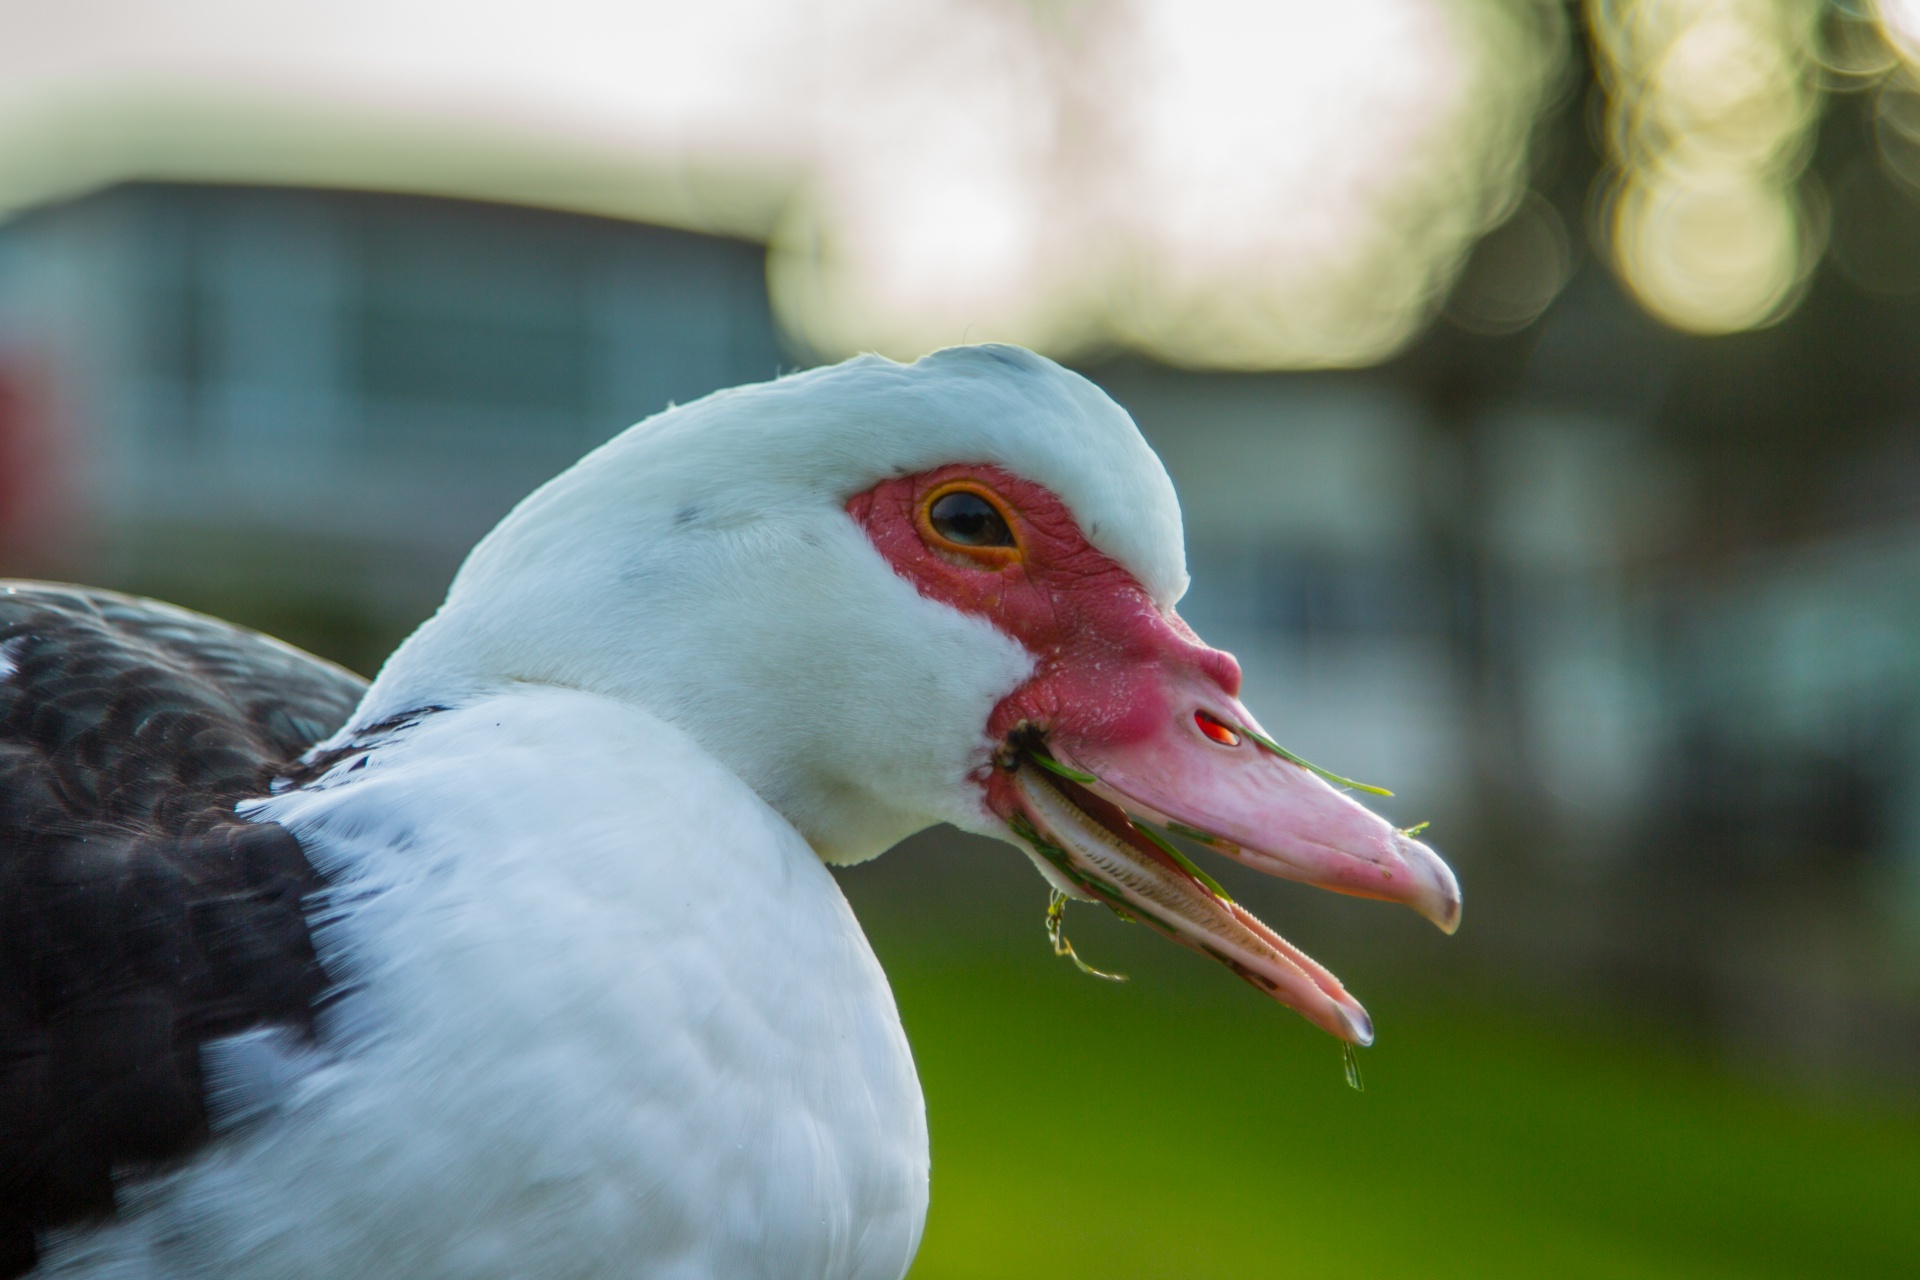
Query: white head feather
[{"x": 702, "y": 564}]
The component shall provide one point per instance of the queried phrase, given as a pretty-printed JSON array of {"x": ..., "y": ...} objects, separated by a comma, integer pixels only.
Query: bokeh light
[
  {"x": 1900, "y": 20},
  {"x": 1710, "y": 107},
  {"x": 1896, "y": 121},
  {"x": 1219, "y": 183},
  {"x": 1228, "y": 183},
  {"x": 1515, "y": 272}
]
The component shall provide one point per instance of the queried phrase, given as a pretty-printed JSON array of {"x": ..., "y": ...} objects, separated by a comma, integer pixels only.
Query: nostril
[
  {"x": 1223, "y": 670},
  {"x": 1216, "y": 730}
]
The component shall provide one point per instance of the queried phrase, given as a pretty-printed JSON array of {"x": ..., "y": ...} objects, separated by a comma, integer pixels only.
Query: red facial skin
[
  {"x": 1103, "y": 648},
  {"x": 1117, "y": 683}
]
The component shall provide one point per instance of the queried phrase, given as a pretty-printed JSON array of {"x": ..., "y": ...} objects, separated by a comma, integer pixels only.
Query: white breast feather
[{"x": 608, "y": 1016}]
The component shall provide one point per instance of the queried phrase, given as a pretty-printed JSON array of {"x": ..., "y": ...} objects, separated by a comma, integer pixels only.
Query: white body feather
[{"x": 607, "y": 1015}]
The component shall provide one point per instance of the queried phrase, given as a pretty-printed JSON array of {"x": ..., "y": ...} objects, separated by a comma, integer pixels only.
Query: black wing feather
[{"x": 139, "y": 916}]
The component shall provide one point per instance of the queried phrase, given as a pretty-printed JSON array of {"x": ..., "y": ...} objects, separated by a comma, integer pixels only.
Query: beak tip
[
  {"x": 1440, "y": 901},
  {"x": 1444, "y": 909},
  {"x": 1359, "y": 1025}
]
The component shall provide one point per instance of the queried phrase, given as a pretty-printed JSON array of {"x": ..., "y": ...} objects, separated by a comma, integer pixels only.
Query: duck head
[{"x": 888, "y": 596}]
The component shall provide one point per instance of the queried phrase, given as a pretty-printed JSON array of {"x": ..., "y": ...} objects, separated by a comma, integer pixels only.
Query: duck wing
[{"x": 139, "y": 915}]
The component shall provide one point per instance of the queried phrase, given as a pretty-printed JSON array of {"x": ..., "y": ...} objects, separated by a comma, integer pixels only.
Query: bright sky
[{"x": 1229, "y": 183}]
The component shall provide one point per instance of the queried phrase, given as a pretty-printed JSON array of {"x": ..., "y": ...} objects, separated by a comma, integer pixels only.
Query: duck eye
[{"x": 966, "y": 518}]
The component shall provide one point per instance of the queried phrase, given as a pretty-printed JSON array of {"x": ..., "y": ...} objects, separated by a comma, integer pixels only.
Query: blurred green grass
[{"x": 1170, "y": 1128}]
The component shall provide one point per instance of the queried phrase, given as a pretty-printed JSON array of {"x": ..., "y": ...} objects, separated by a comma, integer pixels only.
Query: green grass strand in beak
[
  {"x": 1309, "y": 765},
  {"x": 1054, "y": 766},
  {"x": 1165, "y": 846}
]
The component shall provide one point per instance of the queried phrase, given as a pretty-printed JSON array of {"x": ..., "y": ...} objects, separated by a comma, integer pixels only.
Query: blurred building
[{"x": 308, "y": 405}]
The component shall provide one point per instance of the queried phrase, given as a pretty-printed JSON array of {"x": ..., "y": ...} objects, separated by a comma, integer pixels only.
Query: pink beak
[
  {"x": 1261, "y": 809},
  {"x": 1095, "y": 797}
]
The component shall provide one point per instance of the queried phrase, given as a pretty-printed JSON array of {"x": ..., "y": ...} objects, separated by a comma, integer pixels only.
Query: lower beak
[{"x": 1095, "y": 813}]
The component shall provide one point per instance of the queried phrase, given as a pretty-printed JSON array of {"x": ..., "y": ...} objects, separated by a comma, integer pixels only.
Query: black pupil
[{"x": 970, "y": 520}]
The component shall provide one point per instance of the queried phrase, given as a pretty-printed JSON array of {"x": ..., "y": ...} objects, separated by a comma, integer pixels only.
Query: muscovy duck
[{"x": 526, "y": 961}]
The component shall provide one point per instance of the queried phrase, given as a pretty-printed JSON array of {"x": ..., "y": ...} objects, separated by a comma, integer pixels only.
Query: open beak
[{"x": 1096, "y": 811}]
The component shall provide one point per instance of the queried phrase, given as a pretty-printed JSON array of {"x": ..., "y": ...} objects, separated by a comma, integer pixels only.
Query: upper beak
[
  {"x": 1233, "y": 794},
  {"x": 1092, "y": 807}
]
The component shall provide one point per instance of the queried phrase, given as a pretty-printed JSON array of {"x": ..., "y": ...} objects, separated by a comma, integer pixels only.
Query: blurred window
[
  {"x": 178, "y": 343},
  {"x": 457, "y": 313}
]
